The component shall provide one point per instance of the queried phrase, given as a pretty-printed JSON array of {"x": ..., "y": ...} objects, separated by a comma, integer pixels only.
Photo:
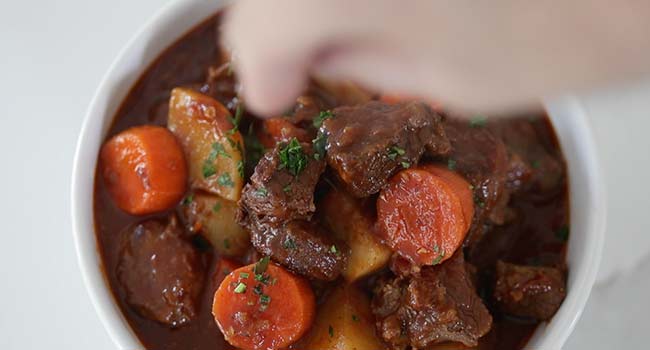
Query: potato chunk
[
  {"x": 213, "y": 147},
  {"x": 346, "y": 219},
  {"x": 344, "y": 322},
  {"x": 214, "y": 218}
]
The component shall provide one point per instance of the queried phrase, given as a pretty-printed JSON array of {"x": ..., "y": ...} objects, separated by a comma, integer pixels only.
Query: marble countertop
[{"x": 53, "y": 54}]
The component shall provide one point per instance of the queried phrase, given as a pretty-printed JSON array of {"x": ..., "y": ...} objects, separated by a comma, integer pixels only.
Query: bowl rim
[{"x": 575, "y": 133}]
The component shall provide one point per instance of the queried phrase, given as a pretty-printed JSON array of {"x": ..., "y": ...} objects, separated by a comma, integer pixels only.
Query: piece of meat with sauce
[
  {"x": 435, "y": 306},
  {"x": 302, "y": 246},
  {"x": 277, "y": 195},
  {"x": 276, "y": 207},
  {"x": 161, "y": 272},
  {"x": 529, "y": 291},
  {"x": 368, "y": 143}
]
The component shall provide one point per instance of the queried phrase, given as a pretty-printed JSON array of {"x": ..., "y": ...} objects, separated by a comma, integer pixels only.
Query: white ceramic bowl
[{"x": 174, "y": 20}]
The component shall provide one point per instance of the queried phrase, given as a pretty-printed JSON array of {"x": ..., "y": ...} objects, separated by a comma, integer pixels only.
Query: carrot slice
[
  {"x": 421, "y": 217},
  {"x": 263, "y": 306},
  {"x": 144, "y": 169},
  {"x": 458, "y": 183},
  {"x": 279, "y": 129}
]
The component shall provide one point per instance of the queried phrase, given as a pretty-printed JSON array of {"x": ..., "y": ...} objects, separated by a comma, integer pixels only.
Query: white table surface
[{"x": 52, "y": 56}]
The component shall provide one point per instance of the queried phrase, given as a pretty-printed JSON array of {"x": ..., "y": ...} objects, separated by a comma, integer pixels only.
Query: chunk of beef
[
  {"x": 276, "y": 207},
  {"x": 161, "y": 272},
  {"x": 277, "y": 195},
  {"x": 529, "y": 291},
  {"x": 438, "y": 305},
  {"x": 302, "y": 246},
  {"x": 368, "y": 143}
]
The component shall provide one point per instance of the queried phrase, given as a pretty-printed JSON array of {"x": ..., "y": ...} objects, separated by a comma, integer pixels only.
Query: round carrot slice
[
  {"x": 263, "y": 306},
  {"x": 279, "y": 129},
  {"x": 144, "y": 169},
  {"x": 421, "y": 217},
  {"x": 459, "y": 185}
]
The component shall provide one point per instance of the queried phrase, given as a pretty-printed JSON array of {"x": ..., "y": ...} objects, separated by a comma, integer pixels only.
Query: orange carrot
[
  {"x": 421, "y": 216},
  {"x": 458, "y": 183},
  {"x": 144, "y": 169},
  {"x": 280, "y": 129},
  {"x": 263, "y": 307}
]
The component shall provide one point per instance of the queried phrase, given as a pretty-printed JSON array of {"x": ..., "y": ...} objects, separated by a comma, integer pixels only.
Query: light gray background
[{"x": 52, "y": 57}]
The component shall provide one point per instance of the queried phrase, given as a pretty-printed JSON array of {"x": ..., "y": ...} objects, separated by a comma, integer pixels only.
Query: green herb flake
[
  {"x": 187, "y": 200},
  {"x": 406, "y": 165},
  {"x": 257, "y": 289},
  {"x": 225, "y": 180},
  {"x": 334, "y": 250},
  {"x": 287, "y": 188},
  {"x": 208, "y": 169},
  {"x": 240, "y": 168},
  {"x": 320, "y": 145},
  {"x": 265, "y": 300},
  {"x": 355, "y": 318},
  {"x": 563, "y": 233},
  {"x": 478, "y": 121},
  {"x": 451, "y": 164},
  {"x": 292, "y": 157},
  {"x": 261, "y": 192},
  {"x": 395, "y": 151},
  {"x": 241, "y": 288},
  {"x": 289, "y": 243},
  {"x": 321, "y": 117},
  {"x": 226, "y": 243},
  {"x": 235, "y": 121},
  {"x": 330, "y": 330},
  {"x": 216, "y": 207},
  {"x": 244, "y": 275},
  {"x": 260, "y": 266}
]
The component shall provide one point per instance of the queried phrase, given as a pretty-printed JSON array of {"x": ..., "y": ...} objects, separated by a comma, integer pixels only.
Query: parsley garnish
[
  {"x": 208, "y": 169},
  {"x": 441, "y": 255},
  {"x": 563, "y": 233},
  {"x": 355, "y": 318},
  {"x": 261, "y": 192},
  {"x": 287, "y": 188},
  {"x": 264, "y": 302},
  {"x": 334, "y": 250},
  {"x": 243, "y": 275},
  {"x": 451, "y": 164},
  {"x": 235, "y": 121},
  {"x": 330, "y": 330},
  {"x": 292, "y": 157},
  {"x": 217, "y": 150},
  {"x": 320, "y": 144},
  {"x": 289, "y": 243},
  {"x": 395, "y": 151},
  {"x": 478, "y": 121},
  {"x": 216, "y": 207},
  {"x": 257, "y": 289},
  {"x": 187, "y": 200},
  {"x": 320, "y": 118},
  {"x": 260, "y": 266},
  {"x": 241, "y": 288},
  {"x": 225, "y": 180},
  {"x": 406, "y": 165},
  {"x": 240, "y": 168}
]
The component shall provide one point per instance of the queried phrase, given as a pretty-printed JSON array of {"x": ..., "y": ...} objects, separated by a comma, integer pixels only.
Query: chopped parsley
[
  {"x": 289, "y": 243},
  {"x": 261, "y": 192},
  {"x": 241, "y": 288},
  {"x": 265, "y": 299},
  {"x": 406, "y": 165},
  {"x": 187, "y": 200},
  {"x": 216, "y": 207},
  {"x": 320, "y": 144},
  {"x": 355, "y": 318},
  {"x": 208, "y": 169},
  {"x": 235, "y": 121},
  {"x": 440, "y": 253},
  {"x": 217, "y": 150},
  {"x": 321, "y": 117},
  {"x": 330, "y": 330},
  {"x": 451, "y": 164},
  {"x": 395, "y": 151},
  {"x": 478, "y": 121},
  {"x": 260, "y": 266},
  {"x": 292, "y": 157},
  {"x": 287, "y": 188},
  {"x": 240, "y": 168},
  {"x": 225, "y": 180},
  {"x": 257, "y": 289},
  {"x": 334, "y": 250},
  {"x": 244, "y": 275},
  {"x": 563, "y": 233}
]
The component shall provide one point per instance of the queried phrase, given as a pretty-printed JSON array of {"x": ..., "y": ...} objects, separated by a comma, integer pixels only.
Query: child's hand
[{"x": 464, "y": 53}]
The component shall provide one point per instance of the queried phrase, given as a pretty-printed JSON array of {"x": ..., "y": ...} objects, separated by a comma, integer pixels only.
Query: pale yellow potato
[
  {"x": 214, "y": 218},
  {"x": 343, "y": 215},
  {"x": 213, "y": 148},
  {"x": 344, "y": 322}
]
